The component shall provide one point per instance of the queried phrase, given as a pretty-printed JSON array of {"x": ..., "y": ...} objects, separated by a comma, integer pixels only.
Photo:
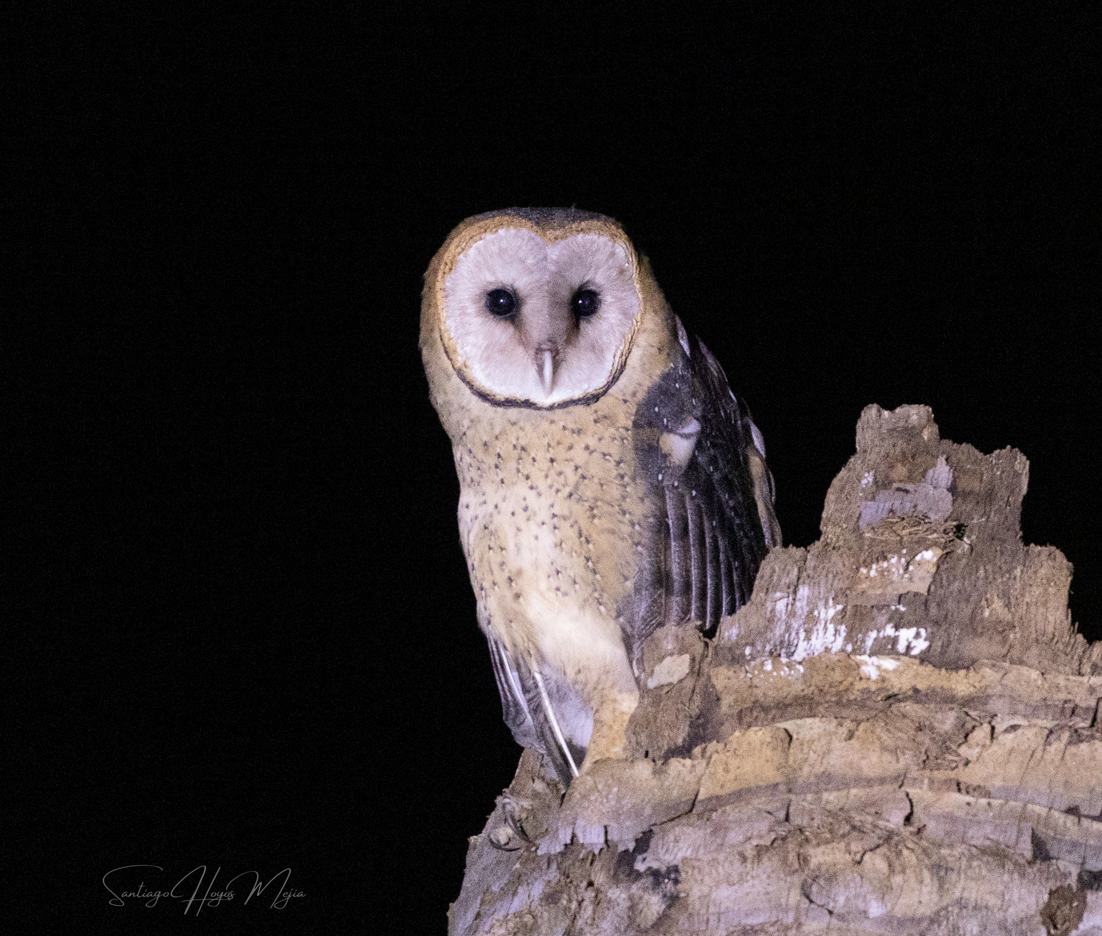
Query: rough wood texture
[{"x": 899, "y": 734}]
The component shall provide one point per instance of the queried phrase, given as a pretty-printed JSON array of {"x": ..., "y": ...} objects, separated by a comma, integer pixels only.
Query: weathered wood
[{"x": 898, "y": 734}]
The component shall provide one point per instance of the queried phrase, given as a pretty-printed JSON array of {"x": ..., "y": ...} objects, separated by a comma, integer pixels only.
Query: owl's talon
[
  {"x": 515, "y": 812},
  {"x": 504, "y": 838}
]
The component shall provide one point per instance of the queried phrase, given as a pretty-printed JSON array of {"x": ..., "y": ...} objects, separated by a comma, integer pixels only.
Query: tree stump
[{"x": 898, "y": 734}]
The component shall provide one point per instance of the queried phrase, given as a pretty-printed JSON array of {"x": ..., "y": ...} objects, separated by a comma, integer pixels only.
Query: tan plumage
[{"x": 573, "y": 432}]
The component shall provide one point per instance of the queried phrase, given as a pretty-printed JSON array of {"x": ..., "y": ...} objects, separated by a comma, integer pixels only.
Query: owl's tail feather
[
  {"x": 514, "y": 702},
  {"x": 526, "y": 705},
  {"x": 554, "y": 722}
]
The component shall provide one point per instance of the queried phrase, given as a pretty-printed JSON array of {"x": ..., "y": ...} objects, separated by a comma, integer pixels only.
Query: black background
[{"x": 242, "y": 633}]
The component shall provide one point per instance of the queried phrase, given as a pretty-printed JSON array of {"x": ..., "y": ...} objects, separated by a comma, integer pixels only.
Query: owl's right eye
[{"x": 501, "y": 302}]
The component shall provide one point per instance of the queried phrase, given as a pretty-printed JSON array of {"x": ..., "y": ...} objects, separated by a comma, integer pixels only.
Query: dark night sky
[{"x": 246, "y": 637}]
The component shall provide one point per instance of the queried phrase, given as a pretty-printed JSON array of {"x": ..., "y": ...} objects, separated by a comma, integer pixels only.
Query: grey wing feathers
[
  {"x": 722, "y": 463},
  {"x": 715, "y": 520},
  {"x": 530, "y": 714}
]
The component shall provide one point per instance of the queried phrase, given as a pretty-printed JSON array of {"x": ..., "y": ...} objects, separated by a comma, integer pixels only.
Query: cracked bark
[{"x": 898, "y": 734}]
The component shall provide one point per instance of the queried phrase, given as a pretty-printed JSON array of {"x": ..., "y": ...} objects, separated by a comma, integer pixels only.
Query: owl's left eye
[
  {"x": 501, "y": 302},
  {"x": 585, "y": 302}
]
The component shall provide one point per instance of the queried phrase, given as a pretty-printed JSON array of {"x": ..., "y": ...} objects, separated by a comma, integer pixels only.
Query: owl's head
[{"x": 534, "y": 307}]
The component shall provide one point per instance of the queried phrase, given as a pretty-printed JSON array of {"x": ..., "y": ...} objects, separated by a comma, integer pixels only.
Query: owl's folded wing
[
  {"x": 730, "y": 457},
  {"x": 715, "y": 519}
]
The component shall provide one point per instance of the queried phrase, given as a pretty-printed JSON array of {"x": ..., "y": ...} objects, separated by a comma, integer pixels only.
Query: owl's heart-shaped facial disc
[{"x": 528, "y": 321}]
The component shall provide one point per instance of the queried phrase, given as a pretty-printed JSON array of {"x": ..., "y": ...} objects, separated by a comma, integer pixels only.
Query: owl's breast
[{"x": 552, "y": 520}]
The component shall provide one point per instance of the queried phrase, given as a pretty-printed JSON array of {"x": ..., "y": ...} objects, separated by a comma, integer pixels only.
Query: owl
[{"x": 610, "y": 481}]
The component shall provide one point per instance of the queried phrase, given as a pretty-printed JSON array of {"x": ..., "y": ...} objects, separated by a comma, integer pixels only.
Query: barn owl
[{"x": 610, "y": 481}]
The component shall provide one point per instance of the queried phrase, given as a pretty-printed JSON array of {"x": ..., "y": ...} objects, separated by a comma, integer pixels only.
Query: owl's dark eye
[
  {"x": 501, "y": 302},
  {"x": 585, "y": 302}
]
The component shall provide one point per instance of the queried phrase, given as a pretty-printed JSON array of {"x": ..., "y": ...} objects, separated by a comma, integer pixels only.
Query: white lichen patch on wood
[
  {"x": 910, "y": 640},
  {"x": 772, "y": 667},
  {"x": 871, "y": 666},
  {"x": 671, "y": 670},
  {"x": 897, "y": 575}
]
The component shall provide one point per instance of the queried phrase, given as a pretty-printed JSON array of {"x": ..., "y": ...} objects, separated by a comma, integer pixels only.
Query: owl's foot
[{"x": 511, "y": 836}]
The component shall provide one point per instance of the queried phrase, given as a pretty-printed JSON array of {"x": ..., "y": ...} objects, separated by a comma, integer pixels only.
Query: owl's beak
[
  {"x": 545, "y": 367},
  {"x": 545, "y": 333}
]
